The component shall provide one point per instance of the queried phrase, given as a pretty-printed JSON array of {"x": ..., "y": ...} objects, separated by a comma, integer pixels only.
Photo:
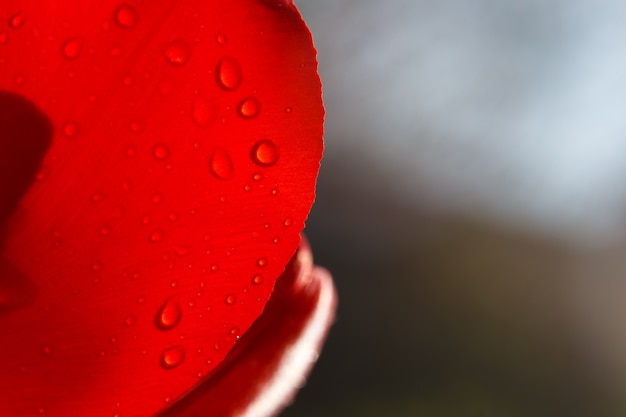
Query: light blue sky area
[{"x": 510, "y": 109}]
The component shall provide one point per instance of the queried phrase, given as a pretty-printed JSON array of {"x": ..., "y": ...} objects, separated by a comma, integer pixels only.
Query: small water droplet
[
  {"x": 96, "y": 197},
  {"x": 221, "y": 38},
  {"x": 249, "y": 107},
  {"x": 71, "y": 48},
  {"x": 70, "y": 129},
  {"x": 130, "y": 320},
  {"x": 3, "y": 38},
  {"x": 141, "y": 300},
  {"x": 288, "y": 222},
  {"x": 228, "y": 74},
  {"x": 96, "y": 266},
  {"x": 161, "y": 152},
  {"x": 46, "y": 350},
  {"x": 264, "y": 153},
  {"x": 234, "y": 332},
  {"x": 257, "y": 279},
  {"x": 257, "y": 177},
  {"x": 126, "y": 16},
  {"x": 128, "y": 80},
  {"x": 41, "y": 410},
  {"x": 177, "y": 52},
  {"x": 231, "y": 299},
  {"x": 261, "y": 262},
  {"x": 172, "y": 357},
  {"x": 17, "y": 20},
  {"x": 168, "y": 316},
  {"x": 156, "y": 198},
  {"x": 220, "y": 165},
  {"x": 274, "y": 191},
  {"x": 204, "y": 111},
  {"x": 136, "y": 126},
  {"x": 157, "y": 235},
  {"x": 173, "y": 216},
  {"x": 131, "y": 151},
  {"x": 105, "y": 230}
]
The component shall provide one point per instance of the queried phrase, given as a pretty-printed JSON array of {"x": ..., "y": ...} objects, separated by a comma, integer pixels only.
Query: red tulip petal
[
  {"x": 186, "y": 139},
  {"x": 263, "y": 371}
]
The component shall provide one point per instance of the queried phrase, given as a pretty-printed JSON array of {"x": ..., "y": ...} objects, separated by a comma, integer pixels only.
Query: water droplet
[
  {"x": 3, "y": 38},
  {"x": 161, "y": 152},
  {"x": 141, "y": 300},
  {"x": 220, "y": 165},
  {"x": 228, "y": 74},
  {"x": 257, "y": 177},
  {"x": 234, "y": 332},
  {"x": 257, "y": 279},
  {"x": 173, "y": 216},
  {"x": 131, "y": 151},
  {"x": 172, "y": 357},
  {"x": 204, "y": 111},
  {"x": 249, "y": 107},
  {"x": 130, "y": 320},
  {"x": 182, "y": 250},
  {"x": 157, "y": 198},
  {"x": 264, "y": 153},
  {"x": 128, "y": 80},
  {"x": 177, "y": 52},
  {"x": 96, "y": 266},
  {"x": 274, "y": 191},
  {"x": 126, "y": 16},
  {"x": 96, "y": 197},
  {"x": 17, "y": 20},
  {"x": 221, "y": 38},
  {"x": 231, "y": 299},
  {"x": 46, "y": 350},
  {"x": 71, "y": 48},
  {"x": 136, "y": 126},
  {"x": 157, "y": 235},
  {"x": 70, "y": 129},
  {"x": 261, "y": 262},
  {"x": 105, "y": 230},
  {"x": 288, "y": 222},
  {"x": 168, "y": 316}
]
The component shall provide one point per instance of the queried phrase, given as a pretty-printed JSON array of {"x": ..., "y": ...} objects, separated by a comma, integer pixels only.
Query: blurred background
[{"x": 472, "y": 208}]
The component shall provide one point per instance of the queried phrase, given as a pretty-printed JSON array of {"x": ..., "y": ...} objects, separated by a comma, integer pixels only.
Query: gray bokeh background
[{"x": 472, "y": 207}]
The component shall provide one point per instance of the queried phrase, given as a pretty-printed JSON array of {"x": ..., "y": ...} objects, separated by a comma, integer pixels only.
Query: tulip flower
[{"x": 158, "y": 161}]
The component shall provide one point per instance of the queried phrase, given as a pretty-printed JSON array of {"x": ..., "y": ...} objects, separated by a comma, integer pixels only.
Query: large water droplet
[
  {"x": 249, "y": 108},
  {"x": 172, "y": 357},
  {"x": 126, "y": 16},
  {"x": 228, "y": 73},
  {"x": 204, "y": 111},
  {"x": 264, "y": 153},
  {"x": 221, "y": 165},
  {"x": 177, "y": 52},
  {"x": 17, "y": 20},
  {"x": 168, "y": 316},
  {"x": 71, "y": 48}
]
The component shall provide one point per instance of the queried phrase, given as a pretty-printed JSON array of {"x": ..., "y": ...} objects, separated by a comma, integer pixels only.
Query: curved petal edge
[{"x": 270, "y": 362}]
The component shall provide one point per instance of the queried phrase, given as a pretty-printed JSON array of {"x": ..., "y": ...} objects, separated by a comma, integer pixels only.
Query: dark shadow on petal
[{"x": 25, "y": 136}]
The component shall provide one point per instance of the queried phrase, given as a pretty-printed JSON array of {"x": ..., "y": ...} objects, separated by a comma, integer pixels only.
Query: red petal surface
[
  {"x": 158, "y": 161},
  {"x": 275, "y": 355}
]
